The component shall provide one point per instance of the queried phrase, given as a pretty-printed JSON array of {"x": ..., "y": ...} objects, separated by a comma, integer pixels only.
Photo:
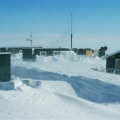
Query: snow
[{"x": 61, "y": 87}]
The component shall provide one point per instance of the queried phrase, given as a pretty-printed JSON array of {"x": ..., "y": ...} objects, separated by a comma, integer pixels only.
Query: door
[{"x": 117, "y": 64}]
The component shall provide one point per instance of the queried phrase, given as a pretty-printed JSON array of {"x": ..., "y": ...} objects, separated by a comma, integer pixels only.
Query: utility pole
[
  {"x": 30, "y": 39},
  {"x": 71, "y": 30}
]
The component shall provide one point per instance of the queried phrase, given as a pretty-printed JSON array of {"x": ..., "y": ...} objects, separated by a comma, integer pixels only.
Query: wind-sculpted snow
[
  {"x": 33, "y": 73},
  {"x": 11, "y": 85},
  {"x": 92, "y": 90},
  {"x": 67, "y": 56},
  {"x": 66, "y": 86},
  {"x": 95, "y": 90}
]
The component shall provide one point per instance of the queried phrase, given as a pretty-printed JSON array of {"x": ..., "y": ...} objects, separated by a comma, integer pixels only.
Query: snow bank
[
  {"x": 16, "y": 57},
  {"x": 100, "y": 68},
  {"x": 11, "y": 85},
  {"x": 68, "y": 56}
]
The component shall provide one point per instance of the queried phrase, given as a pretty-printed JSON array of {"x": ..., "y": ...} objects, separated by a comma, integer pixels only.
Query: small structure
[
  {"x": 102, "y": 51},
  {"x": 43, "y": 51},
  {"x": 14, "y": 50},
  {"x": 86, "y": 51},
  {"x": 28, "y": 54},
  {"x": 80, "y": 52},
  {"x": 49, "y": 51},
  {"x": 5, "y": 66},
  {"x": 113, "y": 63},
  {"x": 3, "y": 49}
]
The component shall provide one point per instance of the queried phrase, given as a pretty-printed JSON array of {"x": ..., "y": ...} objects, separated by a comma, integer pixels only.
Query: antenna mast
[
  {"x": 71, "y": 30},
  {"x": 31, "y": 35},
  {"x": 30, "y": 39}
]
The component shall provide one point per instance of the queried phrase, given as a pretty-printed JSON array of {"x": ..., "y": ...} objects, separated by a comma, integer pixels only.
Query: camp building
[
  {"x": 5, "y": 66},
  {"x": 113, "y": 63}
]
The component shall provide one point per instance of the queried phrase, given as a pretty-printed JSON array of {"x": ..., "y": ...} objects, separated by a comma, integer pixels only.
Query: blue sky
[
  {"x": 95, "y": 22},
  {"x": 99, "y": 17}
]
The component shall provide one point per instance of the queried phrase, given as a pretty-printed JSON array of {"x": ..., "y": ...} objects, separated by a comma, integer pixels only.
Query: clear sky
[
  {"x": 54, "y": 16},
  {"x": 90, "y": 17}
]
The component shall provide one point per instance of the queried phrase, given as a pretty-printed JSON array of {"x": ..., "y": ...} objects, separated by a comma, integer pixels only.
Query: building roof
[
  {"x": 113, "y": 53},
  {"x": 5, "y": 53}
]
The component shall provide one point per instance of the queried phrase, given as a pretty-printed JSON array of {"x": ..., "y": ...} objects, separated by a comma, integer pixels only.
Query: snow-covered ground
[{"x": 60, "y": 87}]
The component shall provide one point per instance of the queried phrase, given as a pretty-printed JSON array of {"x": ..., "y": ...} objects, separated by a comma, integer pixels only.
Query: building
[
  {"x": 113, "y": 63},
  {"x": 5, "y": 66},
  {"x": 3, "y": 49},
  {"x": 50, "y": 51},
  {"x": 28, "y": 54},
  {"x": 43, "y": 51},
  {"x": 102, "y": 51},
  {"x": 85, "y": 51}
]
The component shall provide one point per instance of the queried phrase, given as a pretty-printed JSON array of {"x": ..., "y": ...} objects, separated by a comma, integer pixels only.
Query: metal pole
[
  {"x": 30, "y": 39},
  {"x": 31, "y": 35},
  {"x": 31, "y": 43},
  {"x": 71, "y": 31}
]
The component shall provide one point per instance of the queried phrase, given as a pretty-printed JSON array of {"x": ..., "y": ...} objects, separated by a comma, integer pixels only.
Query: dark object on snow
[
  {"x": 102, "y": 51},
  {"x": 3, "y": 49},
  {"x": 5, "y": 66},
  {"x": 50, "y": 51},
  {"x": 113, "y": 63},
  {"x": 28, "y": 54},
  {"x": 86, "y": 51}
]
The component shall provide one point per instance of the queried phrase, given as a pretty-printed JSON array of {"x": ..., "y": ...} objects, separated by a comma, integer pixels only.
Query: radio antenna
[
  {"x": 30, "y": 39},
  {"x": 71, "y": 30}
]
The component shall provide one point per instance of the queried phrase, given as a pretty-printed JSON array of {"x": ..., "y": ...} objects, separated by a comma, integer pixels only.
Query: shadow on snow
[{"x": 92, "y": 90}]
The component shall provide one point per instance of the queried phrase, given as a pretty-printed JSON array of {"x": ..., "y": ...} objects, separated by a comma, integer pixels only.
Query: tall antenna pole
[
  {"x": 30, "y": 39},
  {"x": 71, "y": 30},
  {"x": 31, "y": 35}
]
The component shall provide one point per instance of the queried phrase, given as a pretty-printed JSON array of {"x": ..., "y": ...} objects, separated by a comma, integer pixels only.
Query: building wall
[
  {"x": 49, "y": 51},
  {"x": 88, "y": 52},
  {"x": 80, "y": 51},
  {"x": 14, "y": 50},
  {"x": 5, "y": 67},
  {"x": 101, "y": 53},
  {"x": 110, "y": 61},
  {"x": 28, "y": 55},
  {"x": 3, "y": 49}
]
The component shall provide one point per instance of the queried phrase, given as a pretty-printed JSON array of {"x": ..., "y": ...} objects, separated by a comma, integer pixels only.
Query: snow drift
[{"x": 60, "y": 87}]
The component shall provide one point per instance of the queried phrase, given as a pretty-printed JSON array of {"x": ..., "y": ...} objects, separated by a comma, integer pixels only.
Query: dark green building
[
  {"x": 28, "y": 54},
  {"x": 85, "y": 51},
  {"x": 49, "y": 51},
  {"x": 3, "y": 49},
  {"x": 102, "y": 51},
  {"x": 113, "y": 62},
  {"x": 5, "y": 66}
]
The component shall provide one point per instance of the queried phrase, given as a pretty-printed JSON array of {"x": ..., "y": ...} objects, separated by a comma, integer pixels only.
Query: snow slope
[{"x": 60, "y": 87}]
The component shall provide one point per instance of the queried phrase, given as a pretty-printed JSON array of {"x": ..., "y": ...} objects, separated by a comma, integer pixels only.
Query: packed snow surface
[{"x": 60, "y": 87}]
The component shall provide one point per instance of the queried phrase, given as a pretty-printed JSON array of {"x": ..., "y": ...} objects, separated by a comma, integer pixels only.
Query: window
[
  {"x": 43, "y": 53},
  {"x": 55, "y": 53},
  {"x": 59, "y": 53},
  {"x": 20, "y": 51}
]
